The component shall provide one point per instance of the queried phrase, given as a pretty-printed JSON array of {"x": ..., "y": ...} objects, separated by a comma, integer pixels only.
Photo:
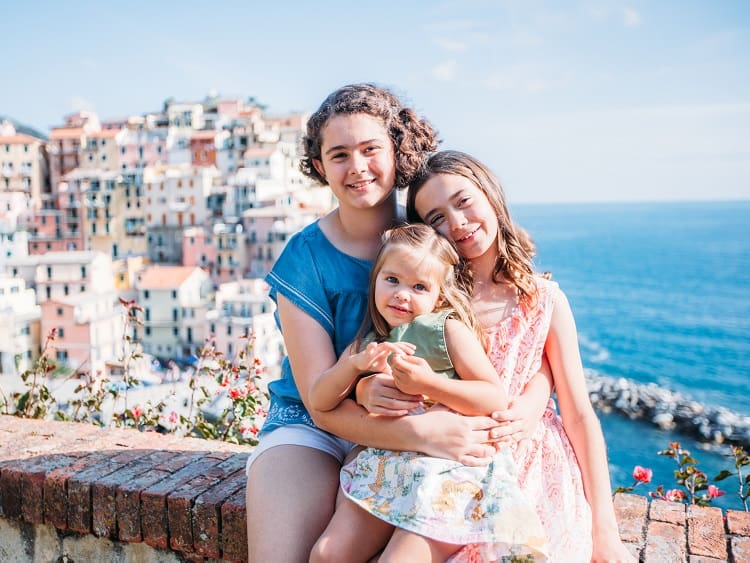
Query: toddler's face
[{"x": 405, "y": 287}]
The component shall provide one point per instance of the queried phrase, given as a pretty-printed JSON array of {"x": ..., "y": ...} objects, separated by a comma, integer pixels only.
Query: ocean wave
[{"x": 669, "y": 410}]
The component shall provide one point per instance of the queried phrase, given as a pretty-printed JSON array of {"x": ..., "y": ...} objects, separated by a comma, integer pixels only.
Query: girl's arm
[
  {"x": 521, "y": 419},
  {"x": 583, "y": 429},
  {"x": 337, "y": 382},
  {"x": 438, "y": 434},
  {"x": 479, "y": 391}
]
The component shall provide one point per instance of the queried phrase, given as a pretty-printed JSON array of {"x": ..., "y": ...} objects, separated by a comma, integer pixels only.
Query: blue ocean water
[{"x": 660, "y": 294}]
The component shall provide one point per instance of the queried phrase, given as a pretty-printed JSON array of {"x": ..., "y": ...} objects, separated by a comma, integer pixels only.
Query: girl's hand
[
  {"x": 379, "y": 395},
  {"x": 518, "y": 422},
  {"x": 411, "y": 373},
  {"x": 611, "y": 549},
  {"x": 449, "y": 435},
  {"x": 374, "y": 358}
]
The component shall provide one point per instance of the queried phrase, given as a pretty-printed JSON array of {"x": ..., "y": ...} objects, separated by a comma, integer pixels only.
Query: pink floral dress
[{"x": 548, "y": 470}]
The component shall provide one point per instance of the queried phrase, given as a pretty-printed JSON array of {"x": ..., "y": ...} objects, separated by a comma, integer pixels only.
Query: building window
[
  {"x": 145, "y": 294},
  {"x": 59, "y": 311},
  {"x": 61, "y": 332},
  {"x": 174, "y": 294},
  {"x": 175, "y": 331}
]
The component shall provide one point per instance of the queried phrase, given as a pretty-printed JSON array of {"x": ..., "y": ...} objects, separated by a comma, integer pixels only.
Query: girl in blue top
[{"x": 363, "y": 143}]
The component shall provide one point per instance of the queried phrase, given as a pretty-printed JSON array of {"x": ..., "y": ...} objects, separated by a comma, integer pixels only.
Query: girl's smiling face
[
  {"x": 407, "y": 285},
  {"x": 357, "y": 160},
  {"x": 459, "y": 210}
]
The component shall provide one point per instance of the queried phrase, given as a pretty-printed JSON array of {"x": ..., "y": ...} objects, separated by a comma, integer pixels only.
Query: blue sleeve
[{"x": 296, "y": 276}]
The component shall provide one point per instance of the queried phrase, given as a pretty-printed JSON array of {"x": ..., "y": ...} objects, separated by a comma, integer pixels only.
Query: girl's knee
[{"x": 326, "y": 550}]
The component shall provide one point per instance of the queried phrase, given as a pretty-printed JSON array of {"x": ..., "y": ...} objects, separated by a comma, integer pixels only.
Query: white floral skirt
[{"x": 447, "y": 501}]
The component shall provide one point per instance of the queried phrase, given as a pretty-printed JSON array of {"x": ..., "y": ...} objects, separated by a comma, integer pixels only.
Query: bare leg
[
  {"x": 291, "y": 492},
  {"x": 352, "y": 535},
  {"x": 407, "y": 546}
]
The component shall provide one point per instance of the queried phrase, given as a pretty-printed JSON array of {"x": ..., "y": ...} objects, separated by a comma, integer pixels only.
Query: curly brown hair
[
  {"x": 515, "y": 246},
  {"x": 411, "y": 135}
]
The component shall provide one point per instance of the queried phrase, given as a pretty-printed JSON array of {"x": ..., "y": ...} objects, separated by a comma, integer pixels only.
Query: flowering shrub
[
  {"x": 694, "y": 486},
  {"x": 641, "y": 475},
  {"x": 237, "y": 381}
]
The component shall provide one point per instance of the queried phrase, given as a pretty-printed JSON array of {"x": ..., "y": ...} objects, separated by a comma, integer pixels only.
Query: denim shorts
[{"x": 302, "y": 435}]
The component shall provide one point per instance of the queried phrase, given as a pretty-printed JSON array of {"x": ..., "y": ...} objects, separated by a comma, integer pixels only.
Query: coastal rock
[{"x": 668, "y": 409}]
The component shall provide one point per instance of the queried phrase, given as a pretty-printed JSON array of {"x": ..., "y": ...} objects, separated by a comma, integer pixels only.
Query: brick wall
[{"x": 121, "y": 495}]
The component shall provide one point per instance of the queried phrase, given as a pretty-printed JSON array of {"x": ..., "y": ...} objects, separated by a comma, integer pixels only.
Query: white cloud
[
  {"x": 452, "y": 45},
  {"x": 79, "y": 103},
  {"x": 445, "y": 71},
  {"x": 631, "y": 18}
]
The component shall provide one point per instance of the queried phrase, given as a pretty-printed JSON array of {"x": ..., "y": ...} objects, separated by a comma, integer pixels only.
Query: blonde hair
[
  {"x": 515, "y": 247},
  {"x": 437, "y": 252}
]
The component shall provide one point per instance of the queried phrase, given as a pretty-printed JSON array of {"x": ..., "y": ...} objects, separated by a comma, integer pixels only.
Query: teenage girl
[
  {"x": 563, "y": 467},
  {"x": 364, "y": 144}
]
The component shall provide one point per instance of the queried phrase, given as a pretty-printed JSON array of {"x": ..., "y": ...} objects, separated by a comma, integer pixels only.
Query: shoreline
[{"x": 668, "y": 410}]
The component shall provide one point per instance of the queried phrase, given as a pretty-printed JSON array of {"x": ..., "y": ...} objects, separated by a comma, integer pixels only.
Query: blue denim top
[{"x": 328, "y": 285}]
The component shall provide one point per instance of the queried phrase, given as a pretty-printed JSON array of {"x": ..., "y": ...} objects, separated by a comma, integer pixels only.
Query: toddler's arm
[
  {"x": 479, "y": 391},
  {"x": 336, "y": 383}
]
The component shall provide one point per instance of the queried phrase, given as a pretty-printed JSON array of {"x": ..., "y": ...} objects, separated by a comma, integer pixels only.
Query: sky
[{"x": 566, "y": 101}]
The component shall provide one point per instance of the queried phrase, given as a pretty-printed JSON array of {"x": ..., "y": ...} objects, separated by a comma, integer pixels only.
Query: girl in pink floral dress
[{"x": 563, "y": 466}]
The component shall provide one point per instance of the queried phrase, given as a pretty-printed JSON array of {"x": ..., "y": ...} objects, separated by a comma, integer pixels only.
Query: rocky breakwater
[{"x": 669, "y": 410}]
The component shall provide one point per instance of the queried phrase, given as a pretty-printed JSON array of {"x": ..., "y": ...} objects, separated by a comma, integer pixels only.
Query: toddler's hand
[{"x": 411, "y": 373}]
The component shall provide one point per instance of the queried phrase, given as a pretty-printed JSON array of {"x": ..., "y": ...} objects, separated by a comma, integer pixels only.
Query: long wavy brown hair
[
  {"x": 412, "y": 136},
  {"x": 516, "y": 249}
]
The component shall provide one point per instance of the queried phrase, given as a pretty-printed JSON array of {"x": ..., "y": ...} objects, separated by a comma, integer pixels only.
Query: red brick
[
  {"x": 665, "y": 542},
  {"x": 32, "y": 484},
  {"x": 234, "y": 527},
  {"x": 56, "y": 489},
  {"x": 740, "y": 548},
  {"x": 706, "y": 532},
  {"x": 104, "y": 490},
  {"x": 79, "y": 488},
  {"x": 738, "y": 522},
  {"x": 10, "y": 491},
  {"x": 631, "y": 517},
  {"x": 207, "y": 511},
  {"x": 154, "y": 521},
  {"x": 667, "y": 511},
  {"x": 128, "y": 499},
  {"x": 180, "y": 500}
]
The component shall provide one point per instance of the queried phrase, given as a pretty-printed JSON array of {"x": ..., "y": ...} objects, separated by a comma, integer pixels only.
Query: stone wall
[{"x": 77, "y": 493}]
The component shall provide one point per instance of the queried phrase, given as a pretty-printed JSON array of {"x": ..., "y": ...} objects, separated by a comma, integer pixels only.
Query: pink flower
[
  {"x": 675, "y": 495},
  {"x": 642, "y": 474},
  {"x": 238, "y": 393},
  {"x": 714, "y": 491},
  {"x": 173, "y": 417},
  {"x": 136, "y": 411}
]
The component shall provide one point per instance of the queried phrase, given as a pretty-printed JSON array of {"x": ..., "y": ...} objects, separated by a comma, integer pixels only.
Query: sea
[{"x": 660, "y": 295}]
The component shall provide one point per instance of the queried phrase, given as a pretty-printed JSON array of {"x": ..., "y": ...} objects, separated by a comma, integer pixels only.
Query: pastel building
[
  {"x": 102, "y": 150},
  {"x": 24, "y": 176},
  {"x": 65, "y": 144},
  {"x": 63, "y": 274},
  {"x": 19, "y": 325},
  {"x": 88, "y": 330},
  {"x": 175, "y": 199},
  {"x": 58, "y": 225},
  {"x": 175, "y": 301},
  {"x": 243, "y": 308}
]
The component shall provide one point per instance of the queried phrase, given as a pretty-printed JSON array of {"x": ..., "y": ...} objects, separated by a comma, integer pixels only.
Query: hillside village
[{"x": 182, "y": 211}]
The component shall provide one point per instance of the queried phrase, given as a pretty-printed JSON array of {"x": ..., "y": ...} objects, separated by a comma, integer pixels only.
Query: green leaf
[{"x": 723, "y": 474}]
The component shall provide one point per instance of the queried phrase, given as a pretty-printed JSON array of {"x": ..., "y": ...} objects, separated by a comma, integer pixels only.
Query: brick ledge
[{"x": 187, "y": 495}]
